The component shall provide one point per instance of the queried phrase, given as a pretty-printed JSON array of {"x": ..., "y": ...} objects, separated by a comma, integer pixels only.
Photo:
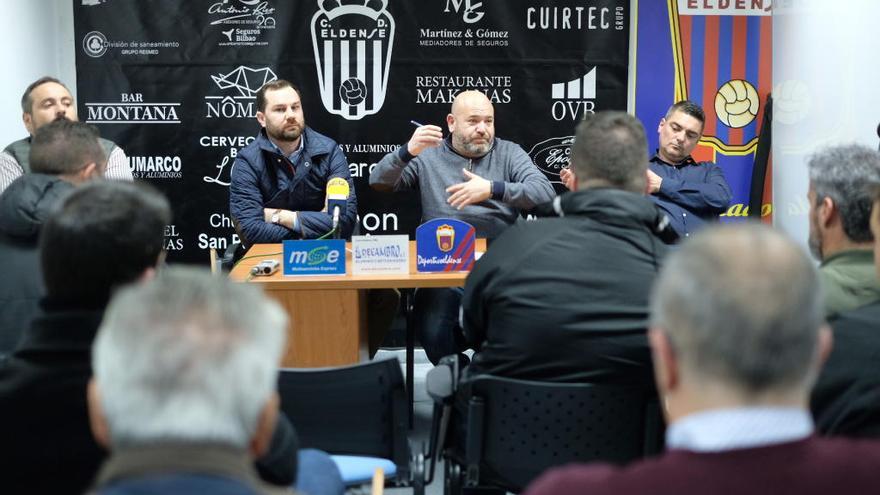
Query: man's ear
[
  {"x": 666, "y": 367},
  {"x": 89, "y": 172},
  {"x": 450, "y": 122},
  {"x": 262, "y": 439},
  {"x": 660, "y": 125},
  {"x": 261, "y": 118},
  {"x": 28, "y": 120},
  {"x": 97, "y": 420},
  {"x": 827, "y": 211}
]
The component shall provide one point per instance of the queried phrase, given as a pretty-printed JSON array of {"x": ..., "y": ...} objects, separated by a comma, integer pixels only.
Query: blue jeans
[
  {"x": 317, "y": 474},
  {"x": 435, "y": 316}
]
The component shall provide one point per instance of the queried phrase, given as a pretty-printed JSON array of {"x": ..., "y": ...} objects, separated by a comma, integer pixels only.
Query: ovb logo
[
  {"x": 352, "y": 41},
  {"x": 574, "y": 99}
]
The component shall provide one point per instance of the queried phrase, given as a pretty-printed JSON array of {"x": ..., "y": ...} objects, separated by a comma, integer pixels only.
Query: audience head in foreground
[
  {"x": 840, "y": 233},
  {"x": 609, "y": 150},
  {"x": 736, "y": 322},
  {"x": 185, "y": 368},
  {"x": 738, "y": 338},
  {"x": 105, "y": 235}
]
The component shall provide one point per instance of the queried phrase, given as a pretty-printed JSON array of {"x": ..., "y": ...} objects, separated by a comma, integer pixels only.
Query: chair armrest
[{"x": 441, "y": 382}]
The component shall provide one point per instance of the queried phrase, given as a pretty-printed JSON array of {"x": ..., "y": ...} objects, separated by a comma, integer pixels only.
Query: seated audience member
[
  {"x": 692, "y": 193},
  {"x": 89, "y": 247},
  {"x": 737, "y": 341},
  {"x": 62, "y": 154},
  {"x": 840, "y": 234},
  {"x": 566, "y": 298},
  {"x": 46, "y": 100},
  {"x": 183, "y": 395},
  {"x": 846, "y": 399}
]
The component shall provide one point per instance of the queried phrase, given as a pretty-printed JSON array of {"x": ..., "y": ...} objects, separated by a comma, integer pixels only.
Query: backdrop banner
[
  {"x": 717, "y": 54},
  {"x": 173, "y": 83}
]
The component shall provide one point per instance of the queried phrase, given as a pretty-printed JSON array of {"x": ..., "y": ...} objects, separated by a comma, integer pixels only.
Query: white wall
[
  {"x": 826, "y": 89},
  {"x": 38, "y": 41}
]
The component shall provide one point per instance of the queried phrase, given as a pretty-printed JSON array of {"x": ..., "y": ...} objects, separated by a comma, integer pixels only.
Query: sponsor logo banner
[
  {"x": 155, "y": 167},
  {"x": 574, "y": 99},
  {"x": 445, "y": 245},
  {"x": 552, "y": 155},
  {"x": 352, "y": 45},
  {"x": 95, "y": 44},
  {"x": 576, "y": 18},
  {"x": 132, "y": 109},
  {"x": 443, "y": 88},
  {"x": 242, "y": 22},
  {"x": 240, "y": 86},
  {"x": 325, "y": 257}
]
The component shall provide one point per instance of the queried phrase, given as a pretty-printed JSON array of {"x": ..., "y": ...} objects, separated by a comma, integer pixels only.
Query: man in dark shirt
[{"x": 691, "y": 193}]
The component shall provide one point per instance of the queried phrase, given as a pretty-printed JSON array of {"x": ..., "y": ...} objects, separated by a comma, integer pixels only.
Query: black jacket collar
[{"x": 611, "y": 205}]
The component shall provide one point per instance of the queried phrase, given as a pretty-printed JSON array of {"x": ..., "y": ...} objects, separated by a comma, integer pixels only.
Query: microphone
[{"x": 337, "y": 200}]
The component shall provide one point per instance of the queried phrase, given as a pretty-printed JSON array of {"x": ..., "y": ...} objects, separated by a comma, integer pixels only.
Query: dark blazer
[
  {"x": 47, "y": 446},
  {"x": 846, "y": 398}
]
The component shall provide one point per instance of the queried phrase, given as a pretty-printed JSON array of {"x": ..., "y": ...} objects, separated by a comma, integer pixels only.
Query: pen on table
[{"x": 413, "y": 122}]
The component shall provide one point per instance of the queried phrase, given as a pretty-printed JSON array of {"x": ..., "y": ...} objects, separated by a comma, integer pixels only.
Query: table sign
[
  {"x": 445, "y": 245},
  {"x": 379, "y": 254},
  {"x": 314, "y": 257}
]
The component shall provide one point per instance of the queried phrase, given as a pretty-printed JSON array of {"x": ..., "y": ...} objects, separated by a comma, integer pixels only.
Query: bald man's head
[
  {"x": 472, "y": 124},
  {"x": 741, "y": 306}
]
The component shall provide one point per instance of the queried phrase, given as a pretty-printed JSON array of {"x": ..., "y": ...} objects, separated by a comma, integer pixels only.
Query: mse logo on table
[{"x": 325, "y": 257}]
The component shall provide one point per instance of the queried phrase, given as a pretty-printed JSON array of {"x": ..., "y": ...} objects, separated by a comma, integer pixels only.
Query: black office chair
[
  {"x": 517, "y": 429},
  {"x": 358, "y": 410}
]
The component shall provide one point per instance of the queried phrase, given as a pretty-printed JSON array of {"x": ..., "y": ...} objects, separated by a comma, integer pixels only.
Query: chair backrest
[
  {"x": 517, "y": 429},
  {"x": 351, "y": 410}
]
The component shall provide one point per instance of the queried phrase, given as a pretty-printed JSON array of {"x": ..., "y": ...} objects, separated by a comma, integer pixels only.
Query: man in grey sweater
[{"x": 471, "y": 176}]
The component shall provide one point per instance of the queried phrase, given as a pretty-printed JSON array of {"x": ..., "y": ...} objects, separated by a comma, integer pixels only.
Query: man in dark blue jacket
[
  {"x": 279, "y": 181},
  {"x": 689, "y": 192}
]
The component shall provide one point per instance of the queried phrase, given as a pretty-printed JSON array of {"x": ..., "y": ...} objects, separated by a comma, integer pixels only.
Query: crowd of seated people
[{"x": 120, "y": 374}]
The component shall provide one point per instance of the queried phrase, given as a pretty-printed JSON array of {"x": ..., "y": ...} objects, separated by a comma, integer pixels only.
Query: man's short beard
[
  {"x": 285, "y": 136},
  {"x": 469, "y": 148}
]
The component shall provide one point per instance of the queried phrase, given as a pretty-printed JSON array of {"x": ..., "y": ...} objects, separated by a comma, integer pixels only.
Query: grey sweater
[{"x": 517, "y": 184}]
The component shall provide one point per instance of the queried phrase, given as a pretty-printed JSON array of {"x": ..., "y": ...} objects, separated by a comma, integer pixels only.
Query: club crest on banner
[
  {"x": 730, "y": 86},
  {"x": 445, "y": 245},
  {"x": 352, "y": 41}
]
